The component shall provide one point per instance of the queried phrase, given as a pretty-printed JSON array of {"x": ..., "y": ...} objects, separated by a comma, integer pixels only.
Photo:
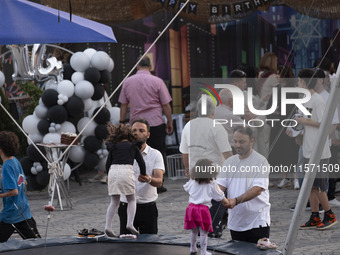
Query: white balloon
[
  {"x": 30, "y": 124},
  {"x": 36, "y": 138},
  {"x": 67, "y": 127},
  {"x": 90, "y": 52},
  {"x": 84, "y": 89},
  {"x": 80, "y": 61},
  {"x": 66, "y": 88},
  {"x": 100, "y": 60},
  {"x": 67, "y": 171},
  {"x": 39, "y": 168},
  {"x": 41, "y": 111},
  {"x": 60, "y": 102},
  {"x": 90, "y": 128},
  {"x": 77, "y": 154},
  {"x": 2, "y": 79},
  {"x": 115, "y": 115},
  {"x": 51, "y": 84},
  {"x": 51, "y": 138},
  {"x": 88, "y": 103},
  {"x": 77, "y": 77},
  {"x": 111, "y": 65},
  {"x": 34, "y": 170}
]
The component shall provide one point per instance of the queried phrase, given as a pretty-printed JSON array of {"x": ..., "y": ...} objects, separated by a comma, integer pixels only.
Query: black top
[{"x": 124, "y": 153}]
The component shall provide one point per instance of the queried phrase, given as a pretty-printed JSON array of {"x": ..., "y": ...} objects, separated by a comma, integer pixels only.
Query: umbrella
[{"x": 24, "y": 22}]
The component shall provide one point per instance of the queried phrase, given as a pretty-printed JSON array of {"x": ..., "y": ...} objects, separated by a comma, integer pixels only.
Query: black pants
[
  {"x": 333, "y": 176},
  {"x": 219, "y": 216},
  {"x": 252, "y": 235},
  {"x": 146, "y": 218},
  {"x": 26, "y": 229}
]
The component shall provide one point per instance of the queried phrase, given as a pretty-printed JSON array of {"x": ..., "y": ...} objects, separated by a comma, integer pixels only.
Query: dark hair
[
  {"x": 145, "y": 62},
  {"x": 144, "y": 121},
  {"x": 319, "y": 74},
  {"x": 285, "y": 71},
  {"x": 307, "y": 75},
  {"x": 204, "y": 176},
  {"x": 237, "y": 73},
  {"x": 244, "y": 130},
  {"x": 119, "y": 133},
  {"x": 9, "y": 143}
]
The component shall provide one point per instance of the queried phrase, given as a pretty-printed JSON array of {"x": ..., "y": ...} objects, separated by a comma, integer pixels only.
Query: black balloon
[
  {"x": 103, "y": 116},
  {"x": 101, "y": 131},
  {"x": 34, "y": 154},
  {"x": 26, "y": 165},
  {"x": 43, "y": 126},
  {"x": 92, "y": 144},
  {"x": 74, "y": 106},
  {"x": 91, "y": 159},
  {"x": 98, "y": 92},
  {"x": 68, "y": 71},
  {"x": 50, "y": 97},
  {"x": 104, "y": 76},
  {"x": 43, "y": 178},
  {"x": 92, "y": 75},
  {"x": 33, "y": 184},
  {"x": 57, "y": 114}
]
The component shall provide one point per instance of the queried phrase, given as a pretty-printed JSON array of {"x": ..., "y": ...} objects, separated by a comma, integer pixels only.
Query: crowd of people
[{"x": 136, "y": 162}]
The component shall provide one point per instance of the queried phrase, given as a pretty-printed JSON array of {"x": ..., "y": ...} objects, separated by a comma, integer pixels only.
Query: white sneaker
[
  {"x": 334, "y": 202},
  {"x": 296, "y": 184},
  {"x": 284, "y": 183}
]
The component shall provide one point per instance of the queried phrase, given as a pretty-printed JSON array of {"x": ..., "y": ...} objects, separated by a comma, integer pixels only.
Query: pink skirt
[{"x": 198, "y": 216}]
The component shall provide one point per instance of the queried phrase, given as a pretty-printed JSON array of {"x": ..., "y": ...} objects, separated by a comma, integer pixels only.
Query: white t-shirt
[
  {"x": 201, "y": 194},
  {"x": 325, "y": 96},
  {"x": 200, "y": 139},
  {"x": 253, "y": 213},
  {"x": 316, "y": 106},
  {"x": 146, "y": 193}
]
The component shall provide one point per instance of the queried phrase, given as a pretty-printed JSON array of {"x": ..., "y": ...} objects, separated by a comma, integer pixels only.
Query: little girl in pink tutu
[{"x": 201, "y": 188}]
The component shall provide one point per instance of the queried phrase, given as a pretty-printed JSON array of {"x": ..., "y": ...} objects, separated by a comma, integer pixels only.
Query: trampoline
[{"x": 144, "y": 245}]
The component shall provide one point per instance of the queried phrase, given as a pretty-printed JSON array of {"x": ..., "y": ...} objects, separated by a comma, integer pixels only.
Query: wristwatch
[
  {"x": 236, "y": 201},
  {"x": 150, "y": 180}
]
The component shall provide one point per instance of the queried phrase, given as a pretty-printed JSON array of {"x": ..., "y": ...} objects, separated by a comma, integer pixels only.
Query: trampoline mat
[{"x": 108, "y": 248}]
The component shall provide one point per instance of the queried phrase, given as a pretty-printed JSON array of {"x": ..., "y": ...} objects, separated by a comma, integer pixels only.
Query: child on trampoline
[
  {"x": 201, "y": 188},
  {"x": 121, "y": 179}
]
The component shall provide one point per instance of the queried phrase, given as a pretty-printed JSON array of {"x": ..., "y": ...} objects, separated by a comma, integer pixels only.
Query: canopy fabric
[
  {"x": 125, "y": 10},
  {"x": 24, "y": 22}
]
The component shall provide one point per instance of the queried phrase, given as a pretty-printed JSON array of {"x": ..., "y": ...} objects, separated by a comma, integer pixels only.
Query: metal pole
[{"x": 321, "y": 139}]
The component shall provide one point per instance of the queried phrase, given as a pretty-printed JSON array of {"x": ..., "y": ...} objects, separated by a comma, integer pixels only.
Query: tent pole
[{"x": 322, "y": 138}]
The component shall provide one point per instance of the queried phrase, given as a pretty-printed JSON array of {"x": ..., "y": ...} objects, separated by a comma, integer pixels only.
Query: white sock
[
  {"x": 193, "y": 239},
  {"x": 204, "y": 242},
  {"x": 111, "y": 209}
]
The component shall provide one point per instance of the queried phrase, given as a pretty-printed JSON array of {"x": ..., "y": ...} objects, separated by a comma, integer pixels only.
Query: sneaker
[
  {"x": 312, "y": 223},
  {"x": 328, "y": 221},
  {"x": 103, "y": 179},
  {"x": 284, "y": 183},
  {"x": 95, "y": 233},
  {"x": 96, "y": 178},
  {"x": 334, "y": 202},
  {"x": 83, "y": 233},
  {"x": 296, "y": 184}
]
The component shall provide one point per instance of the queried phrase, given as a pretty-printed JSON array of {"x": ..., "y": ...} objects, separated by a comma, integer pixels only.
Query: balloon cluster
[{"x": 68, "y": 104}]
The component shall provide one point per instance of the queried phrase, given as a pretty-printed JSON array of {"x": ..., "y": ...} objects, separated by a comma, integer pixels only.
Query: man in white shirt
[
  {"x": 247, "y": 189},
  {"x": 146, "y": 218}
]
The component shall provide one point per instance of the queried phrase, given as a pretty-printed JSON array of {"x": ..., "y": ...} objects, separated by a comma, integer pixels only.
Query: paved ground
[{"x": 90, "y": 202}]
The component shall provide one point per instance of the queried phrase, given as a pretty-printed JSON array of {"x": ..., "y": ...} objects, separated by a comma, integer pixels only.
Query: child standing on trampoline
[
  {"x": 201, "y": 188},
  {"x": 121, "y": 179}
]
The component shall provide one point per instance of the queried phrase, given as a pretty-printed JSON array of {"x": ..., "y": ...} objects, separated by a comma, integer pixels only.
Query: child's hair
[
  {"x": 119, "y": 133},
  {"x": 203, "y": 171},
  {"x": 9, "y": 143},
  {"x": 308, "y": 75}
]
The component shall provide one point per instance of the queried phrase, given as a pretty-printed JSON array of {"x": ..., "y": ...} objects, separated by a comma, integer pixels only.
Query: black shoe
[
  {"x": 161, "y": 189},
  {"x": 95, "y": 233}
]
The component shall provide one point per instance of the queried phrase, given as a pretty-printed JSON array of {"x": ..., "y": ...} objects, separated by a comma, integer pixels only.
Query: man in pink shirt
[{"x": 148, "y": 97}]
